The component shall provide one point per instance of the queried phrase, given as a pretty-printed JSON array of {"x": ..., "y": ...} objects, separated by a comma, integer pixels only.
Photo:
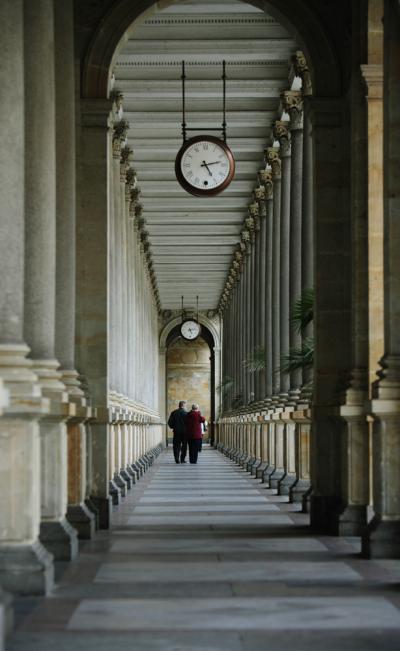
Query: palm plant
[
  {"x": 256, "y": 360},
  {"x": 226, "y": 385},
  {"x": 302, "y": 315}
]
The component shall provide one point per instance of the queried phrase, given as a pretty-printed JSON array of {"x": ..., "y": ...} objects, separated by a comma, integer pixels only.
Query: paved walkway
[{"x": 205, "y": 558}]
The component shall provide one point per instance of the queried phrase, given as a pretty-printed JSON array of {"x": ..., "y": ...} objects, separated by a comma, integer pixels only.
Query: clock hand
[
  {"x": 213, "y": 163},
  {"x": 204, "y": 164}
]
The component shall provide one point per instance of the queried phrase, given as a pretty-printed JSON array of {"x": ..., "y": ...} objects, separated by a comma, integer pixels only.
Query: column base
[
  {"x": 127, "y": 478},
  {"x": 94, "y": 510},
  {"x": 286, "y": 484},
  {"x": 276, "y": 477},
  {"x": 260, "y": 470},
  {"x": 60, "y": 539},
  {"x": 381, "y": 539},
  {"x": 26, "y": 569},
  {"x": 121, "y": 483},
  {"x": 6, "y": 616},
  {"x": 299, "y": 490},
  {"x": 104, "y": 508},
  {"x": 352, "y": 521},
  {"x": 324, "y": 513},
  {"x": 269, "y": 470},
  {"x": 82, "y": 520}
]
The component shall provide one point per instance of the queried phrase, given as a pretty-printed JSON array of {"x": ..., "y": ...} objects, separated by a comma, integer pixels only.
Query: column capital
[
  {"x": 254, "y": 209},
  {"x": 259, "y": 192},
  {"x": 120, "y": 130},
  {"x": 125, "y": 160},
  {"x": 300, "y": 69},
  {"x": 265, "y": 177},
  {"x": 117, "y": 98},
  {"x": 282, "y": 134},
  {"x": 292, "y": 102},
  {"x": 373, "y": 76},
  {"x": 272, "y": 158}
]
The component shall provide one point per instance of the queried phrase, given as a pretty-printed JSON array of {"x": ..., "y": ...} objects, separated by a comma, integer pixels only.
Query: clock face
[
  {"x": 190, "y": 329},
  {"x": 204, "y": 165}
]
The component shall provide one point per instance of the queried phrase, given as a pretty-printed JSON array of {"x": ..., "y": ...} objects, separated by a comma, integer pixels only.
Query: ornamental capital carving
[
  {"x": 130, "y": 180},
  {"x": 259, "y": 193},
  {"x": 282, "y": 134},
  {"x": 265, "y": 177},
  {"x": 250, "y": 224},
  {"x": 301, "y": 70},
  {"x": 254, "y": 209},
  {"x": 117, "y": 98},
  {"x": 292, "y": 101},
  {"x": 238, "y": 256},
  {"x": 138, "y": 210},
  {"x": 272, "y": 158},
  {"x": 245, "y": 235},
  {"x": 120, "y": 131},
  {"x": 126, "y": 158}
]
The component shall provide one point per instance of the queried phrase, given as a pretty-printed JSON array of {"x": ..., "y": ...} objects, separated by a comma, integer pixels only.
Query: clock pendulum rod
[
  {"x": 197, "y": 299},
  {"x": 182, "y": 307},
  {"x": 185, "y": 128}
]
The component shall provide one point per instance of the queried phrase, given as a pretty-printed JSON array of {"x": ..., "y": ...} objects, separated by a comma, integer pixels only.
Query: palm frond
[
  {"x": 256, "y": 361},
  {"x": 303, "y": 310},
  {"x": 226, "y": 385},
  {"x": 296, "y": 358}
]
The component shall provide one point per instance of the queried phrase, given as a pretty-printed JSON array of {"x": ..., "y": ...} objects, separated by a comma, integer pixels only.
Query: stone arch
[
  {"x": 205, "y": 321},
  {"x": 216, "y": 350},
  {"x": 301, "y": 20}
]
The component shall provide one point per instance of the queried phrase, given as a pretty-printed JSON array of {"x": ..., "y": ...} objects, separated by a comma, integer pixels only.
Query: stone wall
[{"x": 189, "y": 374}]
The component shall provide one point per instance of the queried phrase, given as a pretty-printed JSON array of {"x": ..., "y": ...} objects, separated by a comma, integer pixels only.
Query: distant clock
[
  {"x": 204, "y": 166},
  {"x": 190, "y": 329}
]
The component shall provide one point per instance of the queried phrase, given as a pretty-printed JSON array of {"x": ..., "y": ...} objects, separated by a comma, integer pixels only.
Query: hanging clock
[
  {"x": 190, "y": 329},
  {"x": 204, "y": 166}
]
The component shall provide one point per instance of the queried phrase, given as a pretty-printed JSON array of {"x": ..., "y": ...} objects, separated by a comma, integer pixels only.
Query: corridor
[{"x": 205, "y": 559}]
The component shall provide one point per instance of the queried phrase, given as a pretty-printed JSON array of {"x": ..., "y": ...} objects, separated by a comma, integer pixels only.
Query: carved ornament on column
[
  {"x": 292, "y": 101},
  {"x": 273, "y": 159},
  {"x": 117, "y": 98},
  {"x": 120, "y": 131},
  {"x": 125, "y": 160},
  {"x": 265, "y": 177},
  {"x": 282, "y": 134},
  {"x": 301, "y": 70}
]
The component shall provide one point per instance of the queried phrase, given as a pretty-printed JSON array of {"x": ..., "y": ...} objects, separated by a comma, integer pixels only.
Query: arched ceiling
[{"x": 192, "y": 239}]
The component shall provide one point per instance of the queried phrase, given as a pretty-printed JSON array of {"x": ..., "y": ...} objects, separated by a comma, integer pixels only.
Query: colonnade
[
  {"x": 270, "y": 270},
  {"x": 78, "y": 360},
  {"x": 317, "y": 196}
]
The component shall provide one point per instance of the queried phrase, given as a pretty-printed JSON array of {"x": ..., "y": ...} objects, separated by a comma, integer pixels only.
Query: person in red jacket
[{"x": 194, "y": 433}]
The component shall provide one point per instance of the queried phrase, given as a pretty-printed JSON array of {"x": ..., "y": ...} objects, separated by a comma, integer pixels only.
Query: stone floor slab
[
  {"x": 209, "y": 520},
  {"x": 236, "y": 614},
  {"x": 304, "y": 572},
  {"x": 208, "y": 508},
  {"x": 194, "y": 545}
]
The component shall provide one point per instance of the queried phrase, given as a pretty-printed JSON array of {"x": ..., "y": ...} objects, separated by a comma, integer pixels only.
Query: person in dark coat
[
  {"x": 177, "y": 422},
  {"x": 194, "y": 432}
]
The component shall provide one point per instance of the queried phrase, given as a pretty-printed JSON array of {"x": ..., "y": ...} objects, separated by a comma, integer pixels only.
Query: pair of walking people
[{"x": 187, "y": 428}]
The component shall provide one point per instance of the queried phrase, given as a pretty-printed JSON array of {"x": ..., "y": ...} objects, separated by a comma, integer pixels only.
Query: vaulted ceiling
[{"x": 192, "y": 239}]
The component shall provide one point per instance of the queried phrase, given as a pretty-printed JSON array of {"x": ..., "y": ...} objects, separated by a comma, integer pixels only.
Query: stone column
[
  {"x": 332, "y": 320},
  {"x": 261, "y": 291},
  {"x": 383, "y": 537},
  {"x": 268, "y": 253},
  {"x": 293, "y": 103},
  {"x": 92, "y": 296},
  {"x": 258, "y": 298},
  {"x": 25, "y": 566},
  {"x": 40, "y": 273},
  {"x": 78, "y": 514},
  {"x": 355, "y": 443},
  {"x": 282, "y": 134},
  {"x": 274, "y": 161}
]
